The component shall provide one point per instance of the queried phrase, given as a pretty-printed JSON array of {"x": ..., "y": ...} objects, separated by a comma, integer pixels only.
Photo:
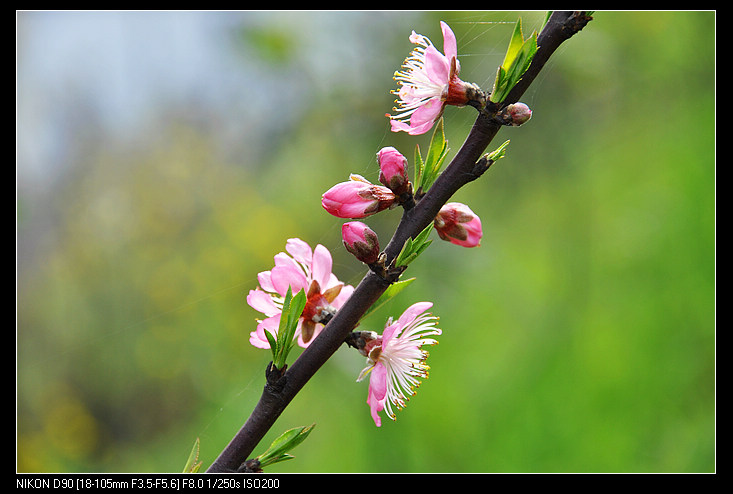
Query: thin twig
[{"x": 560, "y": 27}]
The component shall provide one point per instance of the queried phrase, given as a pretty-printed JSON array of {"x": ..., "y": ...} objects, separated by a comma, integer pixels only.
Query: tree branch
[{"x": 277, "y": 395}]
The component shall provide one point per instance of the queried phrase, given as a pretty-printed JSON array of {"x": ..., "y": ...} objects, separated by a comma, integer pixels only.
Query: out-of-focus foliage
[{"x": 580, "y": 336}]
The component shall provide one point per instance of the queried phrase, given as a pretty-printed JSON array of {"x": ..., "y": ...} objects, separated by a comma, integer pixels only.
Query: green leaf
[
  {"x": 414, "y": 247},
  {"x": 419, "y": 168},
  {"x": 437, "y": 144},
  {"x": 193, "y": 464},
  {"x": 517, "y": 60},
  {"x": 273, "y": 344},
  {"x": 390, "y": 292},
  {"x": 547, "y": 18},
  {"x": 499, "y": 152},
  {"x": 294, "y": 311},
  {"x": 281, "y": 345},
  {"x": 428, "y": 170},
  {"x": 515, "y": 44},
  {"x": 278, "y": 450}
]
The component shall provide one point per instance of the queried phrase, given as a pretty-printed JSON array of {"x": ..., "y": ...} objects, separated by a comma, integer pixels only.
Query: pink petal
[
  {"x": 375, "y": 406},
  {"x": 388, "y": 332},
  {"x": 343, "y": 296},
  {"x": 408, "y": 94},
  {"x": 272, "y": 324},
  {"x": 321, "y": 267},
  {"x": 474, "y": 231},
  {"x": 409, "y": 315},
  {"x": 341, "y": 210},
  {"x": 287, "y": 276},
  {"x": 345, "y": 200},
  {"x": 264, "y": 279},
  {"x": 450, "y": 47},
  {"x": 316, "y": 332},
  {"x": 262, "y": 302},
  {"x": 425, "y": 116},
  {"x": 332, "y": 281},
  {"x": 257, "y": 338},
  {"x": 398, "y": 125},
  {"x": 282, "y": 259},
  {"x": 378, "y": 381},
  {"x": 377, "y": 392},
  {"x": 300, "y": 251},
  {"x": 437, "y": 66}
]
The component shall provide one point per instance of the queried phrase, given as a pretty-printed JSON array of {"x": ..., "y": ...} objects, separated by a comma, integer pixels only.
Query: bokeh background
[{"x": 163, "y": 159}]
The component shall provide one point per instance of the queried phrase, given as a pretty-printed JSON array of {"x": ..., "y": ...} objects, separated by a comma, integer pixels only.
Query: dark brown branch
[{"x": 461, "y": 170}]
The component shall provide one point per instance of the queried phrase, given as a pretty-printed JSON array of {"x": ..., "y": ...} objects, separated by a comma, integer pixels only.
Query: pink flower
[
  {"x": 393, "y": 170},
  {"x": 361, "y": 241},
  {"x": 395, "y": 360},
  {"x": 429, "y": 81},
  {"x": 357, "y": 198},
  {"x": 302, "y": 269},
  {"x": 457, "y": 224}
]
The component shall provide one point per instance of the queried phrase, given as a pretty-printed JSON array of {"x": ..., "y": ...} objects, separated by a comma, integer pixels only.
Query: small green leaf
[
  {"x": 515, "y": 44},
  {"x": 419, "y": 168},
  {"x": 517, "y": 60},
  {"x": 390, "y": 292},
  {"x": 295, "y": 310},
  {"x": 499, "y": 152},
  {"x": 437, "y": 144},
  {"x": 193, "y": 464},
  {"x": 278, "y": 450},
  {"x": 273, "y": 344},
  {"x": 292, "y": 309},
  {"x": 429, "y": 169},
  {"x": 547, "y": 18},
  {"x": 414, "y": 247}
]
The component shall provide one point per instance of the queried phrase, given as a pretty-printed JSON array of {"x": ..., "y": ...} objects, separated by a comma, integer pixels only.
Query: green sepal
[
  {"x": 193, "y": 464},
  {"x": 278, "y": 450}
]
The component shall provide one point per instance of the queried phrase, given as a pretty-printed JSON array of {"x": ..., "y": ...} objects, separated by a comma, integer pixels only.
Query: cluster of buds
[
  {"x": 395, "y": 361},
  {"x": 359, "y": 198}
]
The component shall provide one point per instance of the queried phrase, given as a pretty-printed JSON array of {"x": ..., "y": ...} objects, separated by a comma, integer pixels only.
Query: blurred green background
[{"x": 163, "y": 159}]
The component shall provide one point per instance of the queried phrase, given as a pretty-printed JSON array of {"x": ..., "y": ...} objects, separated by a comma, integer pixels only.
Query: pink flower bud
[
  {"x": 393, "y": 170},
  {"x": 516, "y": 114},
  {"x": 357, "y": 198},
  {"x": 457, "y": 224},
  {"x": 361, "y": 241}
]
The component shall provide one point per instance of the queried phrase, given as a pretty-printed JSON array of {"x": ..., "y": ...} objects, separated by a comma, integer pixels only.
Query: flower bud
[
  {"x": 515, "y": 114},
  {"x": 361, "y": 241},
  {"x": 457, "y": 224},
  {"x": 393, "y": 170},
  {"x": 357, "y": 198}
]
